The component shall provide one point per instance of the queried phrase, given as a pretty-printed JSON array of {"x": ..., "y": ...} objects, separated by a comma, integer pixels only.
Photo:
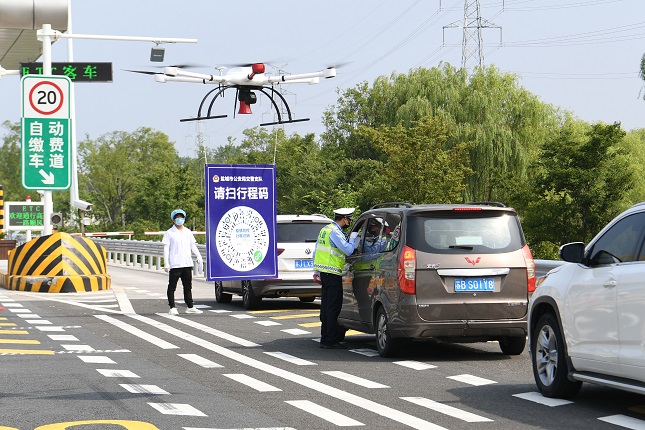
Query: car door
[
  {"x": 591, "y": 317},
  {"x": 349, "y": 309},
  {"x": 631, "y": 314}
]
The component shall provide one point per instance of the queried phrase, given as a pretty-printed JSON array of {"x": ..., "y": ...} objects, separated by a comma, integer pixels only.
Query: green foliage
[{"x": 10, "y": 166}]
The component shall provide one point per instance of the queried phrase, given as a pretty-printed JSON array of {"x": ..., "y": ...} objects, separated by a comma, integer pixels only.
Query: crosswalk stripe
[
  {"x": 355, "y": 379},
  {"x": 536, "y": 397},
  {"x": 267, "y": 323},
  {"x": 365, "y": 351},
  {"x": 471, "y": 380},
  {"x": 204, "y": 362},
  {"x": 116, "y": 373},
  {"x": 177, "y": 409},
  {"x": 447, "y": 410},
  {"x": 96, "y": 359},
  {"x": 416, "y": 365},
  {"x": 624, "y": 421},
  {"x": 324, "y": 413},
  {"x": 251, "y": 382},
  {"x": 291, "y": 359},
  {"x": 144, "y": 389}
]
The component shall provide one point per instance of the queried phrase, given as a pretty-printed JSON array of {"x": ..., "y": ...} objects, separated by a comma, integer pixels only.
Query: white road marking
[
  {"x": 210, "y": 330},
  {"x": 268, "y": 323},
  {"x": 62, "y": 337},
  {"x": 144, "y": 389},
  {"x": 536, "y": 397},
  {"x": 177, "y": 409},
  {"x": 624, "y": 421},
  {"x": 44, "y": 322},
  {"x": 137, "y": 332},
  {"x": 369, "y": 405},
  {"x": 52, "y": 328},
  {"x": 365, "y": 351},
  {"x": 123, "y": 300},
  {"x": 416, "y": 365},
  {"x": 204, "y": 362},
  {"x": 6, "y": 304},
  {"x": 472, "y": 380},
  {"x": 296, "y": 331},
  {"x": 19, "y": 311},
  {"x": 242, "y": 316},
  {"x": 447, "y": 410},
  {"x": 245, "y": 428},
  {"x": 355, "y": 379},
  {"x": 97, "y": 359},
  {"x": 324, "y": 413},
  {"x": 220, "y": 311},
  {"x": 115, "y": 373},
  {"x": 291, "y": 359},
  {"x": 80, "y": 348},
  {"x": 251, "y": 382}
]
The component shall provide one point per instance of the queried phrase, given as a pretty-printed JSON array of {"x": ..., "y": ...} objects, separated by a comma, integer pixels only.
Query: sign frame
[
  {"x": 46, "y": 150},
  {"x": 241, "y": 228},
  {"x": 9, "y": 209}
]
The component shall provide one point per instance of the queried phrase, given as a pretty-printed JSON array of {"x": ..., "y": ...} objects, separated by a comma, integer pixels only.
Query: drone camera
[{"x": 157, "y": 54}]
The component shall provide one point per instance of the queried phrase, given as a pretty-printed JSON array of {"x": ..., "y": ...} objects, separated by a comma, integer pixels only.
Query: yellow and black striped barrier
[{"x": 57, "y": 263}]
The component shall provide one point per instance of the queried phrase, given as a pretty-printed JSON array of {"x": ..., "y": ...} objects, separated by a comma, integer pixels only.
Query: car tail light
[
  {"x": 407, "y": 269},
  {"x": 280, "y": 251},
  {"x": 530, "y": 268},
  {"x": 467, "y": 209}
]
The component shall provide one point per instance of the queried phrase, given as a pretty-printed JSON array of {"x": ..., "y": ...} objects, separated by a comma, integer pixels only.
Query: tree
[
  {"x": 10, "y": 166},
  {"x": 583, "y": 178}
]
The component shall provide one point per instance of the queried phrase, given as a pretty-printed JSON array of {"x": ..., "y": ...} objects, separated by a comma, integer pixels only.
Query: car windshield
[
  {"x": 298, "y": 232},
  {"x": 457, "y": 232}
]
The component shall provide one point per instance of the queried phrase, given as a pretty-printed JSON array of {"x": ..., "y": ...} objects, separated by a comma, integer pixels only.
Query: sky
[{"x": 580, "y": 55}]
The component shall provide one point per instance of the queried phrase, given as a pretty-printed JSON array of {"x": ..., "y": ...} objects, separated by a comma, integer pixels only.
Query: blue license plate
[
  {"x": 466, "y": 285},
  {"x": 304, "y": 264}
]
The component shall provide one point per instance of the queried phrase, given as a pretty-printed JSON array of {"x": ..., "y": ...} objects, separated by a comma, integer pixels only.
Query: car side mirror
[{"x": 572, "y": 252}]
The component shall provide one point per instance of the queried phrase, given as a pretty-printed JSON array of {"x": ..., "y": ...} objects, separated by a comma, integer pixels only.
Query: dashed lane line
[
  {"x": 355, "y": 400},
  {"x": 200, "y": 361},
  {"x": 177, "y": 409},
  {"x": 324, "y": 413},
  {"x": 624, "y": 421},
  {"x": 291, "y": 359},
  {"x": 471, "y": 380},
  {"x": 539, "y": 398},
  {"x": 251, "y": 382},
  {"x": 447, "y": 410},
  {"x": 355, "y": 379}
]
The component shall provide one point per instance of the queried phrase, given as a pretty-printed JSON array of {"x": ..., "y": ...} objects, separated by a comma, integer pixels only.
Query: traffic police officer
[{"x": 329, "y": 259}]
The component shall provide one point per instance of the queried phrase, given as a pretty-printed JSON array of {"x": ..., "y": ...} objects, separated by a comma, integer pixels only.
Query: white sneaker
[
  {"x": 194, "y": 311},
  {"x": 173, "y": 311}
]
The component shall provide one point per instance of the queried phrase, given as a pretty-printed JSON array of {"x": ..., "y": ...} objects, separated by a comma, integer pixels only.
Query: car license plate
[
  {"x": 304, "y": 264},
  {"x": 474, "y": 284}
]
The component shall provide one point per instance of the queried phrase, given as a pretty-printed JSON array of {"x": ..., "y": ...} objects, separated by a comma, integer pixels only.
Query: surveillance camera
[{"x": 82, "y": 205}]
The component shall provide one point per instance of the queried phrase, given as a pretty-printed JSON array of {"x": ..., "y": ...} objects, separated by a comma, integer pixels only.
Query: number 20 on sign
[{"x": 46, "y": 149}]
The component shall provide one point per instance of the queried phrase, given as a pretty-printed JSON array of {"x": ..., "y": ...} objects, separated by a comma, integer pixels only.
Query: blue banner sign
[{"x": 240, "y": 221}]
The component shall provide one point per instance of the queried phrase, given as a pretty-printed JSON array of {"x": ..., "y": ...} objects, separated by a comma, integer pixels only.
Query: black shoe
[{"x": 334, "y": 346}]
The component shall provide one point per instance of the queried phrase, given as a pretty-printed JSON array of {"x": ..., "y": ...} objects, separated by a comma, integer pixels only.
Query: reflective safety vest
[{"x": 328, "y": 258}]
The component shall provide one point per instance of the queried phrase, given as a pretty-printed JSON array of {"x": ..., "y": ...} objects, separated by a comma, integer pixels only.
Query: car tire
[
  {"x": 512, "y": 345},
  {"x": 307, "y": 299},
  {"x": 220, "y": 295},
  {"x": 549, "y": 361},
  {"x": 249, "y": 299},
  {"x": 385, "y": 344}
]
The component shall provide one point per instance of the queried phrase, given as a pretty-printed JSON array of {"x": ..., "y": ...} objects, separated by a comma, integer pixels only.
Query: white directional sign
[{"x": 46, "y": 122}]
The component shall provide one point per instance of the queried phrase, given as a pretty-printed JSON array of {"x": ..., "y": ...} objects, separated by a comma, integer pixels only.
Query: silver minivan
[{"x": 457, "y": 273}]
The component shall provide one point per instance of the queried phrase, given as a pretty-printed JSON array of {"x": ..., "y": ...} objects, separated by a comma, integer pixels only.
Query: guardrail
[
  {"x": 149, "y": 254},
  {"x": 142, "y": 253}
]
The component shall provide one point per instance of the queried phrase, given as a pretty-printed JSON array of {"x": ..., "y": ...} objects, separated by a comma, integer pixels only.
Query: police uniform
[{"x": 329, "y": 260}]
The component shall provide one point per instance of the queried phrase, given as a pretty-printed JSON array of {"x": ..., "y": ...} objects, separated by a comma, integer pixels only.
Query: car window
[
  {"x": 392, "y": 231},
  {"x": 621, "y": 243},
  {"x": 298, "y": 232},
  {"x": 448, "y": 232}
]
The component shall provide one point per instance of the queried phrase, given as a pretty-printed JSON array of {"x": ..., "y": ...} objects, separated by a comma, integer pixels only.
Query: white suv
[
  {"x": 587, "y": 317},
  {"x": 296, "y": 241}
]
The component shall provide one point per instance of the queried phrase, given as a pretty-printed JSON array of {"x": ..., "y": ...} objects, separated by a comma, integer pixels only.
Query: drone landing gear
[
  {"x": 203, "y": 117},
  {"x": 284, "y": 122}
]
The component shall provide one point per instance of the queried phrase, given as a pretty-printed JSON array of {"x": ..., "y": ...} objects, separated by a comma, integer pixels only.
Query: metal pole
[
  {"x": 48, "y": 204},
  {"x": 73, "y": 190}
]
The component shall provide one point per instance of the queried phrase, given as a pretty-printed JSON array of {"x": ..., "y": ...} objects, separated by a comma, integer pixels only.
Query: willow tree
[{"x": 505, "y": 123}]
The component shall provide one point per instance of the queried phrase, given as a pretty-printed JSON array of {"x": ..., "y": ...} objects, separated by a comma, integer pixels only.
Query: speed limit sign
[
  {"x": 45, "y": 97},
  {"x": 45, "y": 131}
]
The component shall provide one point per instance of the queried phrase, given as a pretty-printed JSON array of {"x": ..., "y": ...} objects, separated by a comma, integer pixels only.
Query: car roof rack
[
  {"x": 497, "y": 204},
  {"x": 392, "y": 205}
]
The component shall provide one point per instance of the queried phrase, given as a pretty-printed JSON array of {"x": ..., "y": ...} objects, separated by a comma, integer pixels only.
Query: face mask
[{"x": 179, "y": 221}]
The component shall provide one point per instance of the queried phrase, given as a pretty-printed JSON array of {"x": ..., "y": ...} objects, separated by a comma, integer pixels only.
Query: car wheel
[
  {"x": 385, "y": 345},
  {"x": 512, "y": 345},
  {"x": 307, "y": 299},
  {"x": 220, "y": 296},
  {"x": 550, "y": 367},
  {"x": 249, "y": 299}
]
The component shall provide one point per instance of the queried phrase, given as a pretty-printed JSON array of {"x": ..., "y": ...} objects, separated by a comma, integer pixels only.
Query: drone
[{"x": 247, "y": 80}]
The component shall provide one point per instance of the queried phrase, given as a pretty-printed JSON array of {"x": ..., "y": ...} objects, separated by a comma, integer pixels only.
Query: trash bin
[{"x": 5, "y": 247}]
